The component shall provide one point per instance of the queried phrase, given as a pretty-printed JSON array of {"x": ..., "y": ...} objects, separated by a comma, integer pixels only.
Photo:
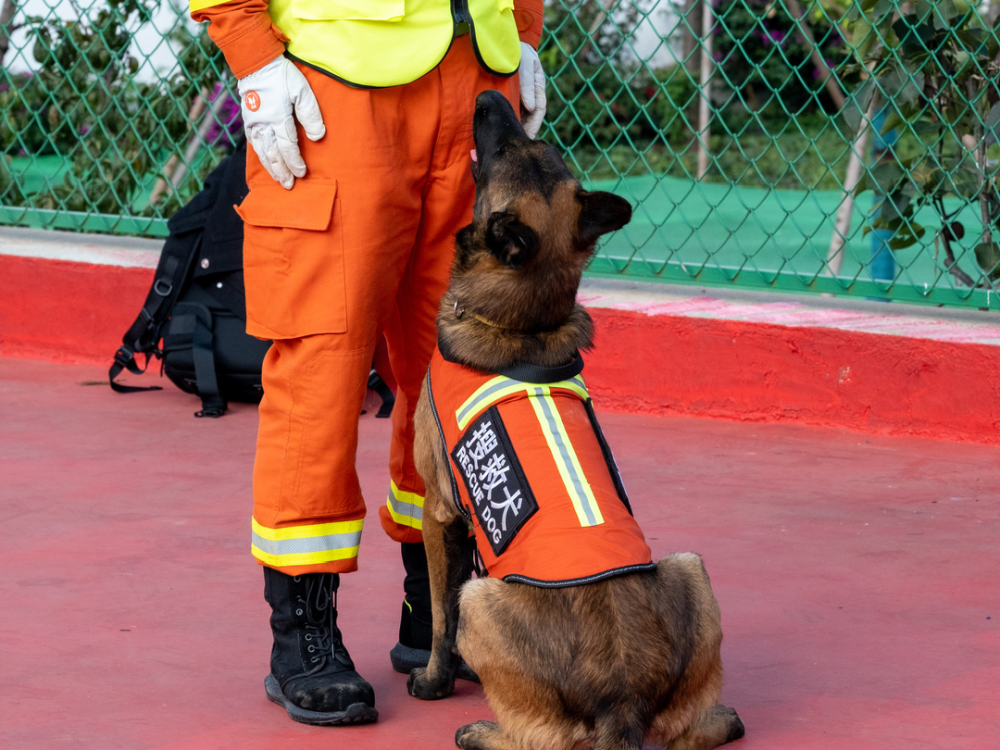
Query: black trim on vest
[
  {"x": 335, "y": 77},
  {"x": 455, "y": 496},
  {"x": 527, "y": 373},
  {"x": 522, "y": 371},
  {"x": 609, "y": 457},
  {"x": 641, "y": 567}
]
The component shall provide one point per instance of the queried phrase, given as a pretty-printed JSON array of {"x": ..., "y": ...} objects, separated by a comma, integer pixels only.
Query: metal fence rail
[{"x": 829, "y": 146}]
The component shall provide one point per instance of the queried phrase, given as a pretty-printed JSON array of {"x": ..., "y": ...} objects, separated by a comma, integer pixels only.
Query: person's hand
[
  {"x": 532, "y": 80},
  {"x": 267, "y": 98}
]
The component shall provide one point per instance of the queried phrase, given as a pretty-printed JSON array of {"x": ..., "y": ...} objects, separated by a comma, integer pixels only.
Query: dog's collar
[{"x": 460, "y": 311}]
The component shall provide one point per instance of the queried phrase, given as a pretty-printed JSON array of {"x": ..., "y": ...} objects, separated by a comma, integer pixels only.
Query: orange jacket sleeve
[
  {"x": 529, "y": 15},
  {"x": 243, "y": 31}
]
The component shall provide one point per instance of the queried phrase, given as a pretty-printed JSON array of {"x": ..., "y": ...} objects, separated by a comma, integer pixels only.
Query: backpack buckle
[
  {"x": 164, "y": 292},
  {"x": 123, "y": 356}
]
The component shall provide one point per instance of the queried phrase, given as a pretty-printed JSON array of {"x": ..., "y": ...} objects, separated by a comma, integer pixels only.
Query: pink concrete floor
[{"x": 859, "y": 578}]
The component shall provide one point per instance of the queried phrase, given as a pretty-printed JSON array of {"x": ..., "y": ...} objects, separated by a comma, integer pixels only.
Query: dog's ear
[
  {"x": 600, "y": 213},
  {"x": 509, "y": 241}
]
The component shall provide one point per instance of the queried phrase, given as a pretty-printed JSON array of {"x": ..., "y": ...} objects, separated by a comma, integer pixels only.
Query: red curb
[
  {"x": 64, "y": 311},
  {"x": 755, "y": 372}
]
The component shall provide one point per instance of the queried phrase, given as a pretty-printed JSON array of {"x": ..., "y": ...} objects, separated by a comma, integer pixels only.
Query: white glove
[
  {"x": 268, "y": 97},
  {"x": 532, "y": 80}
]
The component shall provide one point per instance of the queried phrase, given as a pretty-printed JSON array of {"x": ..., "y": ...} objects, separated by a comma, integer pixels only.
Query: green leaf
[
  {"x": 966, "y": 182},
  {"x": 856, "y": 108},
  {"x": 902, "y": 88},
  {"x": 923, "y": 9},
  {"x": 882, "y": 8},
  {"x": 892, "y": 121},
  {"x": 863, "y": 37},
  {"x": 884, "y": 177},
  {"x": 946, "y": 11},
  {"x": 988, "y": 258},
  {"x": 908, "y": 236},
  {"x": 896, "y": 206}
]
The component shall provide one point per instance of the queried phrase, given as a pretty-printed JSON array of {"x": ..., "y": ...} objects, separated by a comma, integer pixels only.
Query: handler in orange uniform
[{"x": 349, "y": 236}]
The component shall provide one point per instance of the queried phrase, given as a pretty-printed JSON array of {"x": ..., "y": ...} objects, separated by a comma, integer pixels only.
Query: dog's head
[{"x": 519, "y": 263}]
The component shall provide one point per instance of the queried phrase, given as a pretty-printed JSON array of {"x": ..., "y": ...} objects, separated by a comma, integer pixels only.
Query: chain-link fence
[{"x": 830, "y": 146}]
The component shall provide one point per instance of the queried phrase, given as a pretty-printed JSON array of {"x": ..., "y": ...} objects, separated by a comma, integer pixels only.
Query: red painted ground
[{"x": 859, "y": 578}]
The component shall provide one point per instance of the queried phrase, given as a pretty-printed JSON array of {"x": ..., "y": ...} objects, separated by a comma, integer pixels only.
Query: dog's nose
[{"x": 489, "y": 99}]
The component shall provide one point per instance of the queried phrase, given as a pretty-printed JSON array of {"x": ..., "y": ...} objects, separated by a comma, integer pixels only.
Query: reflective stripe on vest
[
  {"x": 501, "y": 387},
  {"x": 306, "y": 545},
  {"x": 577, "y": 486},
  {"x": 378, "y": 43},
  {"x": 406, "y": 508}
]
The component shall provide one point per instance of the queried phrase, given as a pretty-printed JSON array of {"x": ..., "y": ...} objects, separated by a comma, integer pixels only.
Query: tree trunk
[
  {"x": 835, "y": 255},
  {"x": 689, "y": 24},
  {"x": 6, "y": 26},
  {"x": 829, "y": 77},
  {"x": 705, "y": 83}
]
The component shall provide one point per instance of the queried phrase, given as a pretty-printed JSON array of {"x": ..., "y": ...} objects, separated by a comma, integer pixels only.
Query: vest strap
[
  {"x": 524, "y": 372},
  {"x": 535, "y": 374}
]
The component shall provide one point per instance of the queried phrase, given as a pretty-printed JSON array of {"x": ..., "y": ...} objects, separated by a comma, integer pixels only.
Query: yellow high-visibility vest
[{"x": 378, "y": 43}]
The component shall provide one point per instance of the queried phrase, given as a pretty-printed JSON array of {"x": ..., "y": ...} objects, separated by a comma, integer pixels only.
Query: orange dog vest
[{"x": 532, "y": 472}]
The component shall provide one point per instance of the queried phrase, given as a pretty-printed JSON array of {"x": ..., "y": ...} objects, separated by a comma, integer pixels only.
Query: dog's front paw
[
  {"x": 422, "y": 685},
  {"x": 735, "y": 728},
  {"x": 470, "y": 736}
]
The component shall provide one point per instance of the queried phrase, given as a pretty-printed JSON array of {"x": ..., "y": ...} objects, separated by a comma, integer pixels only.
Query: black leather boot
[
  {"x": 312, "y": 674},
  {"x": 415, "y": 621}
]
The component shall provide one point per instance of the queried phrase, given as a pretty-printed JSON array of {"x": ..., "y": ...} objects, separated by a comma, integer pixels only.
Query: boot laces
[{"x": 323, "y": 637}]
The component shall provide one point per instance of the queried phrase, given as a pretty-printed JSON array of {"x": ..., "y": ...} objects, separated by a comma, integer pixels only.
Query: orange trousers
[{"x": 361, "y": 247}]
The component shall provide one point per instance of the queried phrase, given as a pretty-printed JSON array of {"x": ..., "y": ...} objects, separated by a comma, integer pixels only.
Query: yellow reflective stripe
[
  {"x": 305, "y": 558},
  {"x": 306, "y": 545},
  {"x": 305, "y": 532},
  {"x": 580, "y": 493},
  {"x": 500, "y": 387},
  {"x": 194, "y": 5},
  {"x": 406, "y": 508}
]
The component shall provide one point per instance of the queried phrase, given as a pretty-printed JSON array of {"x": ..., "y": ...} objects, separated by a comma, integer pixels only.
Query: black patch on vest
[{"x": 498, "y": 489}]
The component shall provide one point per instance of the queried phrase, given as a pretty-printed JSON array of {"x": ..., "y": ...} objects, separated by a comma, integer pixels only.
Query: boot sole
[
  {"x": 356, "y": 713},
  {"x": 405, "y": 659}
]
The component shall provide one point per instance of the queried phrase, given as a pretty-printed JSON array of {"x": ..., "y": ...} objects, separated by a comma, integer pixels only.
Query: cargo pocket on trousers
[{"x": 293, "y": 259}]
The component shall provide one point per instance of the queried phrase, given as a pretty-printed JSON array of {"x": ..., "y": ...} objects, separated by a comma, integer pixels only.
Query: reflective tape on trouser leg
[
  {"x": 306, "y": 545},
  {"x": 406, "y": 508}
]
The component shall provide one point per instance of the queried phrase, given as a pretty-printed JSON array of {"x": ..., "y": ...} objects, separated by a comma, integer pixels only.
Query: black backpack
[{"x": 197, "y": 304}]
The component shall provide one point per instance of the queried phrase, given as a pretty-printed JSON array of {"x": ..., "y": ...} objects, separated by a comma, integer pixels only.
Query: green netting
[{"x": 799, "y": 146}]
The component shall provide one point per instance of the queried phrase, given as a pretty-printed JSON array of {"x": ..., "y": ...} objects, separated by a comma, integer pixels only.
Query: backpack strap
[
  {"x": 375, "y": 383},
  {"x": 143, "y": 335},
  {"x": 196, "y": 321}
]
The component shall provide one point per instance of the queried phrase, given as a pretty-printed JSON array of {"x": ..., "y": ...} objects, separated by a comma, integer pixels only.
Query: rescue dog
[{"x": 609, "y": 661}]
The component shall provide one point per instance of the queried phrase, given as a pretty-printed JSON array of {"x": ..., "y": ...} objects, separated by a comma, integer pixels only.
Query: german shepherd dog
[{"x": 612, "y": 665}]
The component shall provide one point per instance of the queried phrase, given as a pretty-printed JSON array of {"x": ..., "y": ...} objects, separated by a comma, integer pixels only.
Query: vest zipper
[{"x": 460, "y": 11}]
